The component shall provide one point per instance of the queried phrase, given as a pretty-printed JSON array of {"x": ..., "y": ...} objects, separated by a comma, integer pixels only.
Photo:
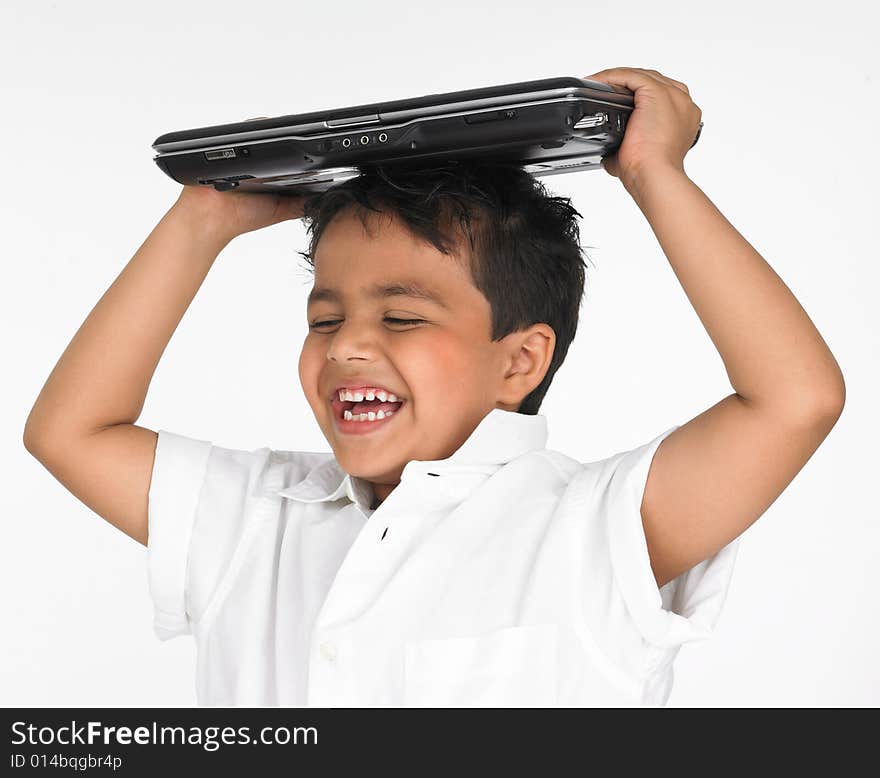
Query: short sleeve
[
  {"x": 179, "y": 471},
  {"x": 686, "y": 608},
  {"x": 200, "y": 499}
]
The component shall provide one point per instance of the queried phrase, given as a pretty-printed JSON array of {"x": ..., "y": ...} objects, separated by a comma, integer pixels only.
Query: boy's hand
[
  {"x": 229, "y": 214},
  {"x": 662, "y": 127},
  {"x": 225, "y": 215}
]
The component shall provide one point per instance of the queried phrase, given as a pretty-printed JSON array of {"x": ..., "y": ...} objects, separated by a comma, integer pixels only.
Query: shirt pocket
[{"x": 511, "y": 667}]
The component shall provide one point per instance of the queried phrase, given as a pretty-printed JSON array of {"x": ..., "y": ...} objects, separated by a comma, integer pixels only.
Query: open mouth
[{"x": 364, "y": 412}]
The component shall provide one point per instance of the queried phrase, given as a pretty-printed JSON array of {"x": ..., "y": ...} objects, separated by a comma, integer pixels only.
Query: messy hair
[{"x": 525, "y": 255}]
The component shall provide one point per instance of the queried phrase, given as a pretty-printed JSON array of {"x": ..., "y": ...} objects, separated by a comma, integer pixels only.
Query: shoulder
[
  {"x": 202, "y": 500},
  {"x": 185, "y": 464},
  {"x": 623, "y": 471}
]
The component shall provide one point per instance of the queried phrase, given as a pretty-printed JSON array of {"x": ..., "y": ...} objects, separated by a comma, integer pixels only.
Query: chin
[{"x": 369, "y": 471}]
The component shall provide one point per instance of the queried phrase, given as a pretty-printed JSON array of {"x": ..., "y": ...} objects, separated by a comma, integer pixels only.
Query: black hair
[{"x": 525, "y": 248}]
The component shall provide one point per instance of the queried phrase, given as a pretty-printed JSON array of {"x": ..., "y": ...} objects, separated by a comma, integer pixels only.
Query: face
[{"x": 437, "y": 358}]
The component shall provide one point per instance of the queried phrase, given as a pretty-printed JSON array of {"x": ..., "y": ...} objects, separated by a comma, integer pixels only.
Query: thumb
[
  {"x": 610, "y": 165},
  {"x": 293, "y": 206}
]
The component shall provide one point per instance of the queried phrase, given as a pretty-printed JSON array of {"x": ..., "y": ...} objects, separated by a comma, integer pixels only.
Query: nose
[{"x": 350, "y": 342}]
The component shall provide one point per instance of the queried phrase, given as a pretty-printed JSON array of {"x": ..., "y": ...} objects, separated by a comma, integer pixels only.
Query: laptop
[{"x": 549, "y": 126}]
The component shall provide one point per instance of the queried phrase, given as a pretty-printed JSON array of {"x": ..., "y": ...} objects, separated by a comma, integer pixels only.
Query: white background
[{"x": 789, "y": 154}]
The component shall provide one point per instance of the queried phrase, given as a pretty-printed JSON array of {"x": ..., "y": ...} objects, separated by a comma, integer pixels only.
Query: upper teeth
[{"x": 369, "y": 394}]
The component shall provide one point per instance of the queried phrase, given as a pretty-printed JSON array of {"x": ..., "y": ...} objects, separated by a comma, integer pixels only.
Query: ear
[{"x": 529, "y": 353}]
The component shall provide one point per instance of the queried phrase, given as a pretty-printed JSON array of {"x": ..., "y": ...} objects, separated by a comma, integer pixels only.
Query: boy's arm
[
  {"x": 82, "y": 425},
  {"x": 715, "y": 475}
]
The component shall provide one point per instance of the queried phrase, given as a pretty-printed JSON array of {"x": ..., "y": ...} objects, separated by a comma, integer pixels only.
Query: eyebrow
[{"x": 382, "y": 290}]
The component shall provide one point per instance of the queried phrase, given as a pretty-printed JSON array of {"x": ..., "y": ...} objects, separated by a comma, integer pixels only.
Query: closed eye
[{"x": 387, "y": 318}]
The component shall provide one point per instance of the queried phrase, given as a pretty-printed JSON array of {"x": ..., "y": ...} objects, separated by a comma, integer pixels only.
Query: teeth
[
  {"x": 369, "y": 416},
  {"x": 370, "y": 394}
]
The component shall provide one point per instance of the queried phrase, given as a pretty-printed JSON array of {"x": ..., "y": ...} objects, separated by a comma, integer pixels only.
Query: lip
[{"x": 359, "y": 427}]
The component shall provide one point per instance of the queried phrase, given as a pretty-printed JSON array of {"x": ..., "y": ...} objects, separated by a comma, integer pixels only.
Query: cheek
[
  {"x": 309, "y": 367},
  {"x": 449, "y": 363}
]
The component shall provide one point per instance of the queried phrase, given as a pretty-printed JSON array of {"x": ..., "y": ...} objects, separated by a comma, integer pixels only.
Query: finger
[
  {"x": 298, "y": 201},
  {"x": 609, "y": 165},
  {"x": 670, "y": 81},
  {"x": 618, "y": 76},
  {"x": 631, "y": 78}
]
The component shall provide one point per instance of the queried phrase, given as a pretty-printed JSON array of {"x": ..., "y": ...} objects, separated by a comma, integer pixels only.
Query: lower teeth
[{"x": 370, "y": 416}]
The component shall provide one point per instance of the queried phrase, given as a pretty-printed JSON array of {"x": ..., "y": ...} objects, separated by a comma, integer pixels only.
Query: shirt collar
[{"x": 500, "y": 437}]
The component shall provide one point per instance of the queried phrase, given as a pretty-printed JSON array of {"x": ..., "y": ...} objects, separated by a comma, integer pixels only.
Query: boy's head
[{"x": 504, "y": 260}]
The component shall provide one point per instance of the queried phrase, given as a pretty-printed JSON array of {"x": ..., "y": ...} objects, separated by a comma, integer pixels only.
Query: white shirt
[{"x": 506, "y": 575}]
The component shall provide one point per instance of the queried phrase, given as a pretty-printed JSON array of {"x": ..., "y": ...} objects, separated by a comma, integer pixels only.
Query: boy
[{"x": 441, "y": 555}]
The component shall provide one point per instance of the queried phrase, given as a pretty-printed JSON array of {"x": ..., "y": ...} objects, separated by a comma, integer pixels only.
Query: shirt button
[{"x": 328, "y": 651}]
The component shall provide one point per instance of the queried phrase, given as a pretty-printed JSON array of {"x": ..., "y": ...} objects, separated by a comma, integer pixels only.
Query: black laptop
[{"x": 549, "y": 126}]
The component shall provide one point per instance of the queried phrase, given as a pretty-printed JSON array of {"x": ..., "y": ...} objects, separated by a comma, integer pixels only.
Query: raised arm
[
  {"x": 714, "y": 476},
  {"x": 82, "y": 425}
]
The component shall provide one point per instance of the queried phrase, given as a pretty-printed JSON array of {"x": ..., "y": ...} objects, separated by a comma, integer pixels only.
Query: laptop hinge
[{"x": 348, "y": 121}]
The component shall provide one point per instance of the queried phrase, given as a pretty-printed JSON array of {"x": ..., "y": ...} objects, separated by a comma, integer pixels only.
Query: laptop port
[
  {"x": 382, "y": 137},
  {"x": 595, "y": 120},
  {"x": 346, "y": 142},
  {"x": 220, "y": 154},
  {"x": 365, "y": 139}
]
